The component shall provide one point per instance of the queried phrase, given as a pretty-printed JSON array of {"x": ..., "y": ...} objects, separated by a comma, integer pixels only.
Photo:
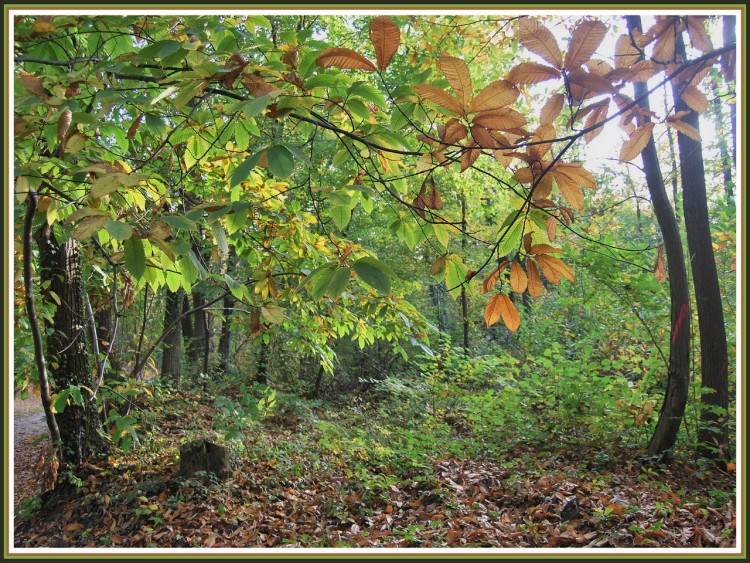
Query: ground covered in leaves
[{"x": 307, "y": 478}]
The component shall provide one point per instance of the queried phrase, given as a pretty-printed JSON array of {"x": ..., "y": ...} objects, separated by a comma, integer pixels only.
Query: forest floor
[{"x": 309, "y": 478}]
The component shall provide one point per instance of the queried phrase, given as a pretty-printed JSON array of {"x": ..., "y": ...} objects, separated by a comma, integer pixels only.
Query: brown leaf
[
  {"x": 497, "y": 94},
  {"x": 685, "y": 129},
  {"x": 63, "y": 124},
  {"x": 554, "y": 268},
  {"x": 537, "y": 149},
  {"x": 544, "y": 248},
  {"x": 257, "y": 86},
  {"x": 456, "y": 71},
  {"x": 454, "y": 132},
  {"x": 551, "y": 225},
  {"x": 597, "y": 116},
  {"x": 433, "y": 199},
  {"x": 584, "y": 42},
  {"x": 626, "y": 54},
  {"x": 518, "y": 279},
  {"x": 535, "y": 285},
  {"x": 551, "y": 109},
  {"x": 255, "y": 327},
  {"x": 637, "y": 142},
  {"x": 665, "y": 32},
  {"x": 660, "y": 268},
  {"x": 133, "y": 129},
  {"x": 484, "y": 138},
  {"x": 500, "y": 306},
  {"x": 527, "y": 242},
  {"x": 501, "y": 119},
  {"x": 32, "y": 83},
  {"x": 469, "y": 155},
  {"x": 440, "y": 97},
  {"x": 341, "y": 57},
  {"x": 531, "y": 73},
  {"x": 386, "y": 38},
  {"x": 694, "y": 98},
  {"x": 570, "y": 178},
  {"x": 696, "y": 28},
  {"x": 539, "y": 40},
  {"x": 491, "y": 280},
  {"x": 589, "y": 83},
  {"x": 438, "y": 265}
]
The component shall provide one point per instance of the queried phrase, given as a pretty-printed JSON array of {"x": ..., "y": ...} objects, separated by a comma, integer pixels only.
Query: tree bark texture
[{"x": 171, "y": 359}]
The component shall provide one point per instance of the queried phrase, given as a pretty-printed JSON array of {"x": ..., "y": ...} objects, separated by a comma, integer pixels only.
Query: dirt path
[{"x": 29, "y": 424}]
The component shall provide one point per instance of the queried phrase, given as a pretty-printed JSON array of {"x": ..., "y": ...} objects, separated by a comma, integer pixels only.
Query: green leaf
[
  {"x": 241, "y": 136},
  {"x": 180, "y": 222},
  {"x": 337, "y": 282},
  {"x": 244, "y": 169},
  {"x": 441, "y": 233},
  {"x": 512, "y": 240},
  {"x": 297, "y": 153},
  {"x": 374, "y": 273},
  {"x": 455, "y": 274},
  {"x": 280, "y": 161},
  {"x": 272, "y": 314},
  {"x": 221, "y": 237},
  {"x": 188, "y": 92},
  {"x": 313, "y": 278},
  {"x": 234, "y": 286},
  {"x": 60, "y": 401},
  {"x": 135, "y": 257},
  {"x": 367, "y": 92},
  {"x": 119, "y": 230},
  {"x": 341, "y": 215}
]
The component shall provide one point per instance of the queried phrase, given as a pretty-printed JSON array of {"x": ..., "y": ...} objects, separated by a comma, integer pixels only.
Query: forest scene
[{"x": 403, "y": 281}]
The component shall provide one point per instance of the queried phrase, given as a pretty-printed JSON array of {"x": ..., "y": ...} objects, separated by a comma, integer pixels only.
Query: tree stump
[{"x": 202, "y": 455}]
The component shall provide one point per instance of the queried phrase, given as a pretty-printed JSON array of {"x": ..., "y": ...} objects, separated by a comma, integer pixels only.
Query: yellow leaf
[
  {"x": 637, "y": 142},
  {"x": 660, "y": 268},
  {"x": 531, "y": 73},
  {"x": 584, "y": 42},
  {"x": 518, "y": 279},
  {"x": 540, "y": 41},
  {"x": 497, "y": 94},
  {"x": 456, "y": 71},
  {"x": 341, "y": 57},
  {"x": 386, "y": 38},
  {"x": 535, "y": 285},
  {"x": 551, "y": 109},
  {"x": 440, "y": 97},
  {"x": 694, "y": 98}
]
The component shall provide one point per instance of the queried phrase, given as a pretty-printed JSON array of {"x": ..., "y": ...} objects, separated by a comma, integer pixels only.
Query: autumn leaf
[
  {"x": 539, "y": 40},
  {"x": 31, "y": 82},
  {"x": 518, "y": 279},
  {"x": 694, "y": 98},
  {"x": 497, "y": 94},
  {"x": 554, "y": 268},
  {"x": 433, "y": 199},
  {"x": 544, "y": 248},
  {"x": 664, "y": 30},
  {"x": 469, "y": 155},
  {"x": 456, "y": 71},
  {"x": 500, "y": 306},
  {"x": 626, "y": 54},
  {"x": 551, "y": 227},
  {"x": 341, "y": 57},
  {"x": 133, "y": 129},
  {"x": 535, "y": 285},
  {"x": 491, "y": 280},
  {"x": 551, "y": 109},
  {"x": 454, "y": 132},
  {"x": 597, "y": 116},
  {"x": 660, "y": 268},
  {"x": 684, "y": 128},
  {"x": 584, "y": 42},
  {"x": 637, "y": 142},
  {"x": 696, "y": 29},
  {"x": 537, "y": 147},
  {"x": 386, "y": 38},
  {"x": 440, "y": 97},
  {"x": 531, "y": 73},
  {"x": 570, "y": 178}
]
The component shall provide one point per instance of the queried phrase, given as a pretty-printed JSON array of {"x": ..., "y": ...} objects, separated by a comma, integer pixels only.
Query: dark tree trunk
[
  {"x": 726, "y": 159},
  {"x": 464, "y": 297},
  {"x": 66, "y": 347},
  {"x": 197, "y": 345},
  {"x": 225, "y": 339},
  {"x": 171, "y": 360},
  {"x": 678, "y": 374},
  {"x": 262, "y": 375},
  {"x": 713, "y": 434},
  {"x": 729, "y": 23}
]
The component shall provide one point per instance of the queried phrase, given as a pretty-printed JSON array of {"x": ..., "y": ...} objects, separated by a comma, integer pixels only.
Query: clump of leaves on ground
[{"x": 429, "y": 459}]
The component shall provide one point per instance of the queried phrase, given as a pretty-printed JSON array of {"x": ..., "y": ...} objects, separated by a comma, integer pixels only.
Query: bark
[
  {"x": 678, "y": 372},
  {"x": 171, "y": 360},
  {"x": 197, "y": 346},
  {"x": 725, "y": 158},
  {"x": 66, "y": 347},
  {"x": 225, "y": 339},
  {"x": 262, "y": 375},
  {"x": 713, "y": 433},
  {"x": 464, "y": 296}
]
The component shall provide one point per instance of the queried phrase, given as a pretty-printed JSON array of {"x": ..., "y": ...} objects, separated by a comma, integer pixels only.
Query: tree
[{"x": 171, "y": 360}]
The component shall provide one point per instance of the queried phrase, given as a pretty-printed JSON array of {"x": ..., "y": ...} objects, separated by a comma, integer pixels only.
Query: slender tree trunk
[
  {"x": 464, "y": 297},
  {"x": 262, "y": 375},
  {"x": 36, "y": 334},
  {"x": 713, "y": 434},
  {"x": 226, "y": 334},
  {"x": 678, "y": 373},
  {"x": 672, "y": 161},
  {"x": 726, "y": 159},
  {"x": 171, "y": 360},
  {"x": 729, "y": 23},
  {"x": 79, "y": 424}
]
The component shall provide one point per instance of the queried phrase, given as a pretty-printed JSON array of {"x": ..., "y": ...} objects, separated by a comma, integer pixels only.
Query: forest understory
[{"x": 327, "y": 478}]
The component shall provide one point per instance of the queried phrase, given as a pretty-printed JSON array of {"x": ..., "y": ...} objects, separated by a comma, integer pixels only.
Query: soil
[{"x": 28, "y": 424}]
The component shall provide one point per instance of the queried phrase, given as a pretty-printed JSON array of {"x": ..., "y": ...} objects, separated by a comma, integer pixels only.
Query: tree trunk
[
  {"x": 197, "y": 342},
  {"x": 464, "y": 298},
  {"x": 726, "y": 160},
  {"x": 262, "y": 375},
  {"x": 171, "y": 360},
  {"x": 713, "y": 434},
  {"x": 678, "y": 373},
  {"x": 69, "y": 363},
  {"x": 225, "y": 339}
]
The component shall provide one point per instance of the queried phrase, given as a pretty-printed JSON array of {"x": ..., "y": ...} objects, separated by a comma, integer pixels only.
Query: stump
[{"x": 202, "y": 455}]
